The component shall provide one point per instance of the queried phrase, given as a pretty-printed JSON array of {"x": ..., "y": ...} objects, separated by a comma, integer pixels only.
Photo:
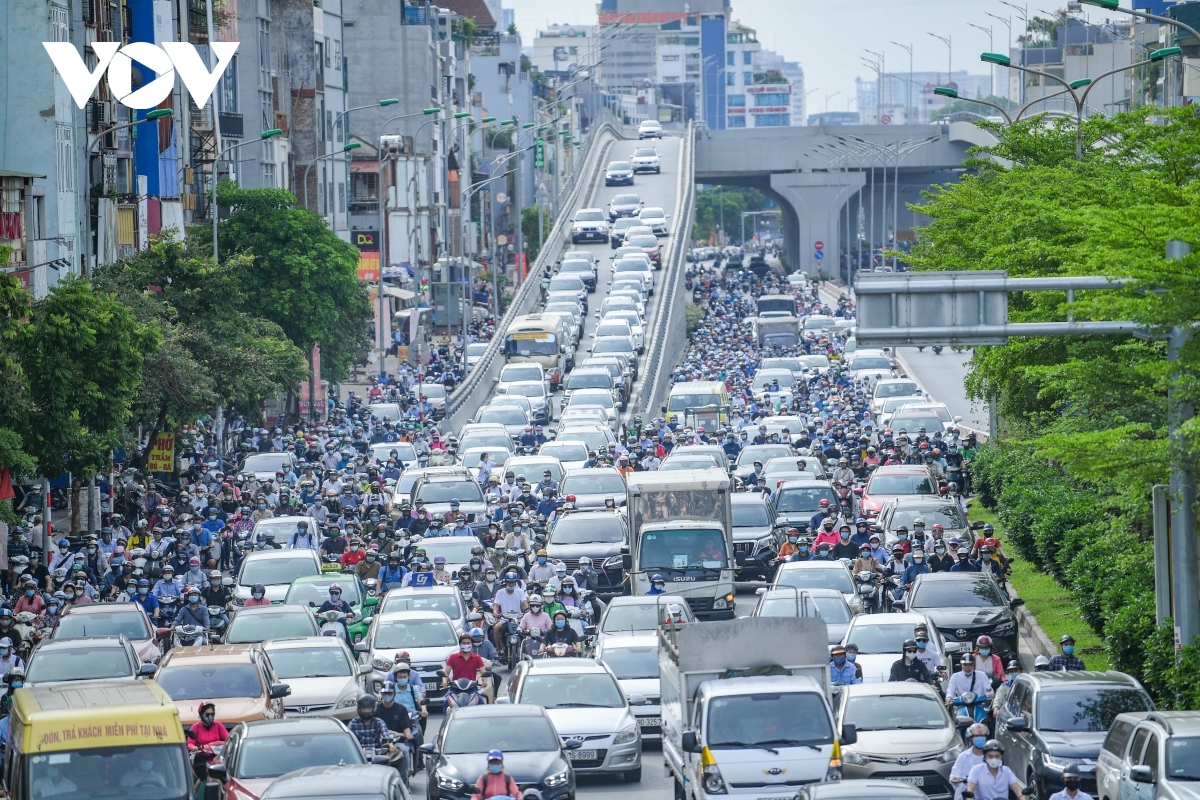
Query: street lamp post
[
  {"x": 156, "y": 114},
  {"x": 345, "y": 149},
  {"x": 946, "y": 40},
  {"x": 390, "y": 101},
  {"x": 908, "y": 115},
  {"x": 1079, "y": 99},
  {"x": 1114, "y": 5},
  {"x": 991, "y": 47},
  {"x": 262, "y": 137}
]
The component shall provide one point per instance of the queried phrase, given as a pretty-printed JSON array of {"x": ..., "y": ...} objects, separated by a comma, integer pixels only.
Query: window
[
  {"x": 1139, "y": 741},
  {"x": 736, "y": 121},
  {"x": 341, "y": 193},
  {"x": 735, "y": 100},
  {"x": 227, "y": 95},
  {"x": 337, "y": 54},
  {"x": 264, "y": 56},
  {"x": 772, "y": 120},
  {"x": 328, "y": 53},
  {"x": 1118, "y": 736},
  {"x": 730, "y": 58},
  {"x": 573, "y": 51},
  {"x": 268, "y": 176},
  {"x": 328, "y": 125},
  {"x": 321, "y": 193},
  {"x": 66, "y": 158},
  {"x": 59, "y": 32},
  {"x": 729, "y": 79},
  {"x": 321, "y": 135},
  {"x": 268, "y": 113},
  {"x": 127, "y": 225},
  {"x": 746, "y": 57},
  {"x": 320, "y": 60},
  {"x": 773, "y": 99},
  {"x": 670, "y": 58},
  {"x": 747, "y": 78},
  {"x": 1150, "y": 756}
]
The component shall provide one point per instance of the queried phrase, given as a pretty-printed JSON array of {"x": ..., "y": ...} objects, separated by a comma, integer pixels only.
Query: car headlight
[
  {"x": 1059, "y": 762},
  {"x": 764, "y": 543},
  {"x": 627, "y": 735},
  {"x": 556, "y": 780},
  {"x": 613, "y": 562},
  {"x": 381, "y": 664},
  {"x": 448, "y": 783},
  {"x": 1005, "y": 629},
  {"x": 713, "y": 782},
  {"x": 720, "y": 604},
  {"x": 348, "y": 701},
  {"x": 857, "y": 759},
  {"x": 950, "y": 755}
]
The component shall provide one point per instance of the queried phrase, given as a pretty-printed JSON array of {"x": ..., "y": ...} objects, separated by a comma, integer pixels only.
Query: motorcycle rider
[
  {"x": 194, "y": 612},
  {"x": 506, "y": 601},
  {"x": 208, "y": 732},
  {"x": 169, "y": 585},
  {"x": 535, "y": 617},
  {"x": 909, "y": 666},
  {"x": 14, "y": 680},
  {"x": 392, "y": 575},
  {"x": 1066, "y": 661},
  {"x": 396, "y": 717},
  {"x": 302, "y": 538},
  {"x": 258, "y": 596},
  {"x": 1011, "y": 671},
  {"x": 657, "y": 585},
  {"x": 143, "y": 598},
  {"x": 585, "y": 577},
  {"x": 216, "y": 594},
  {"x": 1071, "y": 782},
  {"x": 9, "y": 660},
  {"x": 463, "y": 664},
  {"x": 987, "y": 662},
  {"x": 977, "y": 735},
  {"x": 561, "y": 632},
  {"x": 410, "y": 694},
  {"x": 841, "y": 671},
  {"x": 336, "y": 603},
  {"x": 485, "y": 589},
  {"x": 844, "y": 548},
  {"x": 916, "y": 566},
  {"x": 968, "y": 679},
  {"x": 992, "y": 780},
  {"x": 368, "y": 568},
  {"x": 542, "y": 571},
  {"x": 371, "y": 732},
  {"x": 495, "y": 782}
]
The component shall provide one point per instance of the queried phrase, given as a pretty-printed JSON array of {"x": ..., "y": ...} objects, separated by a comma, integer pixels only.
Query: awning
[
  {"x": 10, "y": 173},
  {"x": 401, "y": 294},
  {"x": 364, "y": 166}
]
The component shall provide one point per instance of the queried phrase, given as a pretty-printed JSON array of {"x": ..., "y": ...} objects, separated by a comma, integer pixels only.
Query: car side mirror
[
  {"x": 590, "y": 630},
  {"x": 627, "y": 562},
  {"x": 1141, "y": 774},
  {"x": 760, "y": 591},
  {"x": 1017, "y": 724},
  {"x": 689, "y": 743},
  {"x": 428, "y": 747},
  {"x": 216, "y": 770},
  {"x": 503, "y": 701},
  {"x": 849, "y": 733},
  {"x": 365, "y": 669},
  {"x": 1015, "y": 602},
  {"x": 898, "y": 605},
  {"x": 280, "y": 691},
  {"x": 147, "y": 670},
  {"x": 361, "y": 647},
  {"x": 381, "y": 760},
  {"x": 637, "y": 700}
]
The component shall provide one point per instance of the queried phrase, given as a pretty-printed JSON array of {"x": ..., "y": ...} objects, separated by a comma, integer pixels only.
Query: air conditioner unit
[
  {"x": 392, "y": 143},
  {"x": 107, "y": 112}
]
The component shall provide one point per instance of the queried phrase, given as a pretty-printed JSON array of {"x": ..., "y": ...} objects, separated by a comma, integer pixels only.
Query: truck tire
[{"x": 633, "y": 775}]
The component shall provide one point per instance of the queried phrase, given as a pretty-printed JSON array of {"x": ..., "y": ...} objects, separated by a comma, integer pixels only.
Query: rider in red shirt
[{"x": 466, "y": 663}]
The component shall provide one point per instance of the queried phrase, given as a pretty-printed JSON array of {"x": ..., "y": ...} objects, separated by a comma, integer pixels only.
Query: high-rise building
[
  {"x": 769, "y": 60},
  {"x": 909, "y": 98},
  {"x": 562, "y": 48}
]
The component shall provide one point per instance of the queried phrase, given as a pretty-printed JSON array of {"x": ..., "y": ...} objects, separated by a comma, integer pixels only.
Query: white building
[
  {"x": 909, "y": 98},
  {"x": 561, "y": 48},
  {"x": 770, "y": 60},
  {"x": 755, "y": 97}
]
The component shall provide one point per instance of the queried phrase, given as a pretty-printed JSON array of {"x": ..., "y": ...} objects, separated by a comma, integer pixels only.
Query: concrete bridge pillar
[{"x": 817, "y": 200}]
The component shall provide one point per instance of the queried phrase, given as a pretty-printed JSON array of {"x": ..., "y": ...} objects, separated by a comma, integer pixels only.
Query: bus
[
  {"x": 96, "y": 739},
  {"x": 541, "y": 339}
]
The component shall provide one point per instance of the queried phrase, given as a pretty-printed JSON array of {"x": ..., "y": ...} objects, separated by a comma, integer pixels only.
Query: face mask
[
  {"x": 902, "y": 536},
  {"x": 1068, "y": 649},
  {"x": 568, "y": 589},
  {"x": 852, "y": 657},
  {"x": 30, "y": 592},
  {"x": 793, "y": 539},
  {"x": 261, "y": 506},
  {"x": 193, "y": 599},
  {"x": 510, "y": 589},
  {"x": 402, "y": 682},
  {"x": 143, "y": 590},
  {"x": 70, "y": 595},
  {"x": 370, "y": 559},
  {"x": 364, "y": 714},
  {"x": 19, "y": 684},
  {"x": 1072, "y": 786},
  {"x": 465, "y": 647},
  {"x": 979, "y": 742},
  {"x": 353, "y": 548},
  {"x": 208, "y": 719},
  {"x": 560, "y": 623},
  {"x": 939, "y": 550},
  {"x": 803, "y": 548},
  {"x": 918, "y": 559},
  {"x": 92, "y": 550},
  {"x": 909, "y": 656},
  {"x": 585, "y": 569},
  {"x": 995, "y": 763},
  {"x": 258, "y": 595},
  {"x": 922, "y": 644},
  {"x": 839, "y": 661},
  {"x": 495, "y": 769},
  {"x": 985, "y": 651},
  {"x": 541, "y": 560}
]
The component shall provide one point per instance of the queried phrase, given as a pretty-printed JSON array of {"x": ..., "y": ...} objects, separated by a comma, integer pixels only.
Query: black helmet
[
  {"x": 258, "y": 587},
  {"x": 366, "y": 701},
  {"x": 910, "y": 644},
  {"x": 993, "y": 744}
]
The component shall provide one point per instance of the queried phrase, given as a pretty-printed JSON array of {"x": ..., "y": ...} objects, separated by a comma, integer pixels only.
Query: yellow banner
[
  {"x": 87, "y": 735},
  {"x": 537, "y": 336},
  {"x": 162, "y": 454}
]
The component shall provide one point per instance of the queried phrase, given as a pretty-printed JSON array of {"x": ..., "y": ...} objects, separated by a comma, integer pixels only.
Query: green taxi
[{"x": 315, "y": 589}]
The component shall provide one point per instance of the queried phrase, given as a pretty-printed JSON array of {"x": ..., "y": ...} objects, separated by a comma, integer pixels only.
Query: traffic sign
[
  {"x": 818, "y": 255},
  {"x": 502, "y": 239},
  {"x": 818, "y": 246},
  {"x": 539, "y": 154},
  {"x": 885, "y": 119}
]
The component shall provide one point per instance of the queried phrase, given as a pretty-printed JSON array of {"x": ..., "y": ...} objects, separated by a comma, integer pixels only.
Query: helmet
[
  {"x": 258, "y": 587},
  {"x": 910, "y": 644},
  {"x": 335, "y": 587},
  {"x": 367, "y": 701},
  {"x": 993, "y": 745},
  {"x": 983, "y": 641},
  {"x": 1041, "y": 661},
  {"x": 978, "y": 729}
]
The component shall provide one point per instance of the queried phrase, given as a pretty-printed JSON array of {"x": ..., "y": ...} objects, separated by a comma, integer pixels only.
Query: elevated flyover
[{"x": 836, "y": 182}]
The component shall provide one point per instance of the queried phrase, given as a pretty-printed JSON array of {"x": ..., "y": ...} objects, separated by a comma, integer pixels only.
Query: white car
[
  {"x": 880, "y": 639},
  {"x": 427, "y": 636},
  {"x": 474, "y": 353},
  {"x": 275, "y": 570},
  {"x": 645, "y": 159},
  {"x": 650, "y": 129},
  {"x": 589, "y": 225},
  {"x": 524, "y": 371},
  {"x": 819, "y": 575},
  {"x": 620, "y": 324},
  {"x": 569, "y": 453},
  {"x": 601, "y": 398},
  {"x": 538, "y": 396},
  {"x": 655, "y": 219},
  {"x": 874, "y": 365},
  {"x": 630, "y": 615},
  {"x": 634, "y": 661},
  {"x": 446, "y": 599},
  {"x": 889, "y": 388},
  {"x": 324, "y": 677},
  {"x": 406, "y": 454}
]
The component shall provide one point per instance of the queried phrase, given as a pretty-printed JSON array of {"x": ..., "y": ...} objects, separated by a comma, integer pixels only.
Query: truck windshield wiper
[
  {"x": 749, "y": 746},
  {"x": 789, "y": 743}
]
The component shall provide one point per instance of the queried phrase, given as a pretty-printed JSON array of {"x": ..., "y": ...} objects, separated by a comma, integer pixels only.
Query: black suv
[
  {"x": 1053, "y": 720},
  {"x": 599, "y": 535},
  {"x": 965, "y": 606}
]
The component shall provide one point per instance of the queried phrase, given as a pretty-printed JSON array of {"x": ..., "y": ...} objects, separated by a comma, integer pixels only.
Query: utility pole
[
  {"x": 517, "y": 204},
  {"x": 1185, "y": 590}
]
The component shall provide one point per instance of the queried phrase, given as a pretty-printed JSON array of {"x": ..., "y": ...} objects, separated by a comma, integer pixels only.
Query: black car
[
  {"x": 1055, "y": 719},
  {"x": 965, "y": 606},
  {"x": 533, "y": 754},
  {"x": 618, "y": 173},
  {"x": 624, "y": 205},
  {"x": 599, "y": 535},
  {"x": 584, "y": 269}
]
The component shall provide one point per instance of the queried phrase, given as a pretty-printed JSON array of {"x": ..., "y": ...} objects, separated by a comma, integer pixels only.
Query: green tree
[
  {"x": 14, "y": 398},
  {"x": 82, "y": 352},
  {"x": 726, "y": 203},
  {"x": 529, "y": 229},
  {"x": 300, "y": 275}
]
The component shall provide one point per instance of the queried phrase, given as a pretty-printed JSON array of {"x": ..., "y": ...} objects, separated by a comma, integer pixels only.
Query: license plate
[
  {"x": 913, "y": 780},
  {"x": 649, "y": 722},
  {"x": 432, "y": 686},
  {"x": 581, "y": 755}
]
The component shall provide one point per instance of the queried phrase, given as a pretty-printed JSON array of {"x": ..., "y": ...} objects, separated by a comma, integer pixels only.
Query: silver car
[
  {"x": 275, "y": 569},
  {"x": 634, "y": 660},
  {"x": 831, "y": 607},
  {"x": 591, "y": 487},
  {"x": 427, "y": 636},
  {"x": 322, "y": 673},
  {"x": 585, "y": 701}
]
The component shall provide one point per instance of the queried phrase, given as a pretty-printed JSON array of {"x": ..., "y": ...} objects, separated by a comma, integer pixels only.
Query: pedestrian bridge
[{"x": 835, "y": 183}]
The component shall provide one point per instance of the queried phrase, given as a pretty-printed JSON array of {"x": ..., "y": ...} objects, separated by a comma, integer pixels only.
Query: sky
[{"x": 830, "y": 37}]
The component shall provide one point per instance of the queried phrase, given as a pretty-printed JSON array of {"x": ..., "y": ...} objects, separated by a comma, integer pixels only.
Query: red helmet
[
  {"x": 983, "y": 641},
  {"x": 570, "y": 498},
  {"x": 991, "y": 542},
  {"x": 824, "y": 503}
]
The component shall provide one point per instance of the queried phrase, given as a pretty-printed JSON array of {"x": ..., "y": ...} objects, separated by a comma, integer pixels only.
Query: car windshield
[
  {"x": 271, "y": 756},
  {"x": 588, "y": 529},
  {"x": 697, "y": 548},
  {"x": 1183, "y": 758},
  {"x": 531, "y": 343},
  {"x": 613, "y": 345},
  {"x": 510, "y": 415},
  {"x": 625, "y": 199},
  {"x": 266, "y": 462},
  {"x": 566, "y": 283},
  {"x": 1090, "y": 710},
  {"x": 527, "y": 389},
  {"x": 831, "y": 609},
  {"x": 210, "y": 681},
  {"x": 972, "y": 593},
  {"x": 870, "y": 362},
  {"x": 524, "y": 733},
  {"x": 895, "y": 389},
  {"x": 652, "y": 213},
  {"x": 476, "y": 348},
  {"x": 750, "y": 515},
  {"x": 302, "y": 593},
  {"x": 890, "y": 712},
  {"x": 814, "y": 361},
  {"x": 278, "y": 624},
  {"x": 422, "y": 602},
  {"x": 641, "y": 152},
  {"x": 575, "y": 266},
  {"x": 632, "y": 663},
  {"x": 803, "y": 499},
  {"x": 401, "y": 451},
  {"x": 612, "y": 329},
  {"x": 768, "y": 719},
  {"x": 310, "y": 662},
  {"x": 589, "y": 216},
  {"x": 471, "y": 459},
  {"x": 570, "y": 309},
  {"x": 147, "y": 772},
  {"x": 619, "y": 165},
  {"x": 456, "y": 549},
  {"x": 588, "y": 380},
  {"x": 913, "y": 423},
  {"x": 689, "y": 462},
  {"x": 402, "y": 634},
  {"x": 782, "y": 378},
  {"x": 948, "y": 516},
  {"x": 497, "y": 441},
  {"x": 683, "y": 401},
  {"x": 520, "y": 372},
  {"x": 571, "y": 690},
  {"x": 763, "y": 453},
  {"x": 464, "y": 490},
  {"x": 564, "y": 451},
  {"x": 642, "y": 240},
  {"x": 593, "y": 440},
  {"x": 638, "y": 616},
  {"x": 919, "y": 483},
  {"x": 880, "y": 637},
  {"x": 128, "y": 623},
  {"x": 276, "y": 571},
  {"x": 433, "y": 391},
  {"x": 593, "y": 397},
  {"x": 824, "y": 577},
  {"x": 84, "y": 664},
  {"x": 816, "y": 323},
  {"x": 597, "y": 482}
]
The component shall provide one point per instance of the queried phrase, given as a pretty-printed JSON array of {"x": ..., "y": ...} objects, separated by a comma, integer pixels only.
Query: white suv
[
  {"x": 645, "y": 159},
  {"x": 650, "y": 129},
  {"x": 590, "y": 225}
]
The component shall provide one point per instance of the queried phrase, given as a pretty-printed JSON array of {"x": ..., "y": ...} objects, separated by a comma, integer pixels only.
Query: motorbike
[
  {"x": 217, "y": 624},
  {"x": 332, "y": 623},
  {"x": 168, "y": 607},
  {"x": 512, "y": 638},
  {"x": 867, "y": 585},
  {"x": 560, "y": 650},
  {"x": 845, "y": 494},
  {"x": 463, "y": 692},
  {"x": 937, "y": 349},
  {"x": 154, "y": 564},
  {"x": 970, "y": 708},
  {"x": 188, "y": 636}
]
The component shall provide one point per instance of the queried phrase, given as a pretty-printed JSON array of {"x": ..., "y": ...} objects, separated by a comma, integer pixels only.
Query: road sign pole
[{"x": 1185, "y": 571}]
